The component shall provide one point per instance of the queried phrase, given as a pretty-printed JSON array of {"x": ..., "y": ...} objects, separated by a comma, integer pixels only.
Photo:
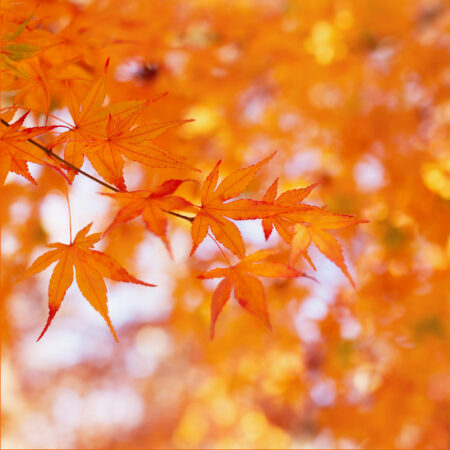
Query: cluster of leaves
[
  {"x": 105, "y": 134},
  {"x": 347, "y": 96}
]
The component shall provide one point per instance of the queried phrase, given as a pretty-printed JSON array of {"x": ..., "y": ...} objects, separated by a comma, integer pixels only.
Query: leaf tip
[
  {"x": 270, "y": 157},
  {"x": 352, "y": 282},
  {"x": 51, "y": 315},
  {"x": 147, "y": 284},
  {"x": 107, "y": 64},
  {"x": 194, "y": 247}
]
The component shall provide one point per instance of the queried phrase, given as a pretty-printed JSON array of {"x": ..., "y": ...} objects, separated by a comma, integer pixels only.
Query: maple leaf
[
  {"x": 105, "y": 135},
  {"x": 122, "y": 138},
  {"x": 213, "y": 210},
  {"x": 16, "y": 151},
  {"x": 248, "y": 289},
  {"x": 291, "y": 226},
  {"x": 152, "y": 206},
  {"x": 90, "y": 266},
  {"x": 293, "y": 197},
  {"x": 87, "y": 119},
  {"x": 305, "y": 233}
]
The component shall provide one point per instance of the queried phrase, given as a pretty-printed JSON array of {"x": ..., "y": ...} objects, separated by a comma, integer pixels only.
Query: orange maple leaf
[
  {"x": 105, "y": 134},
  {"x": 248, "y": 289},
  {"x": 15, "y": 151},
  {"x": 213, "y": 210},
  {"x": 121, "y": 138},
  {"x": 292, "y": 226},
  {"x": 283, "y": 222},
  {"x": 305, "y": 233},
  {"x": 90, "y": 265},
  {"x": 87, "y": 117},
  {"x": 152, "y": 206}
]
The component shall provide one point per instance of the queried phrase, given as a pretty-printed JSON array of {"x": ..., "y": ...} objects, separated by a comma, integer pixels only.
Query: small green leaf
[
  {"x": 17, "y": 52},
  {"x": 11, "y": 36}
]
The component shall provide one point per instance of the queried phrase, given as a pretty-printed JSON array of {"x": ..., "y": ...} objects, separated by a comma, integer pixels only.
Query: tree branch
[
  {"x": 82, "y": 172},
  {"x": 181, "y": 216}
]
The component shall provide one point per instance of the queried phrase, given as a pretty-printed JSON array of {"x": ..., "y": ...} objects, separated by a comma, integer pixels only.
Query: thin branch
[
  {"x": 189, "y": 219},
  {"x": 82, "y": 172}
]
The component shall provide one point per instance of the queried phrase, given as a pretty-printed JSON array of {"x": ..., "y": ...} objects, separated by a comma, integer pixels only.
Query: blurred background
[{"x": 354, "y": 93}]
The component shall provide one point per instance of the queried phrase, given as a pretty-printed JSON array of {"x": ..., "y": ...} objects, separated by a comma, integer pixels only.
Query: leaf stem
[
  {"x": 82, "y": 172},
  {"x": 220, "y": 248},
  {"x": 70, "y": 214}
]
